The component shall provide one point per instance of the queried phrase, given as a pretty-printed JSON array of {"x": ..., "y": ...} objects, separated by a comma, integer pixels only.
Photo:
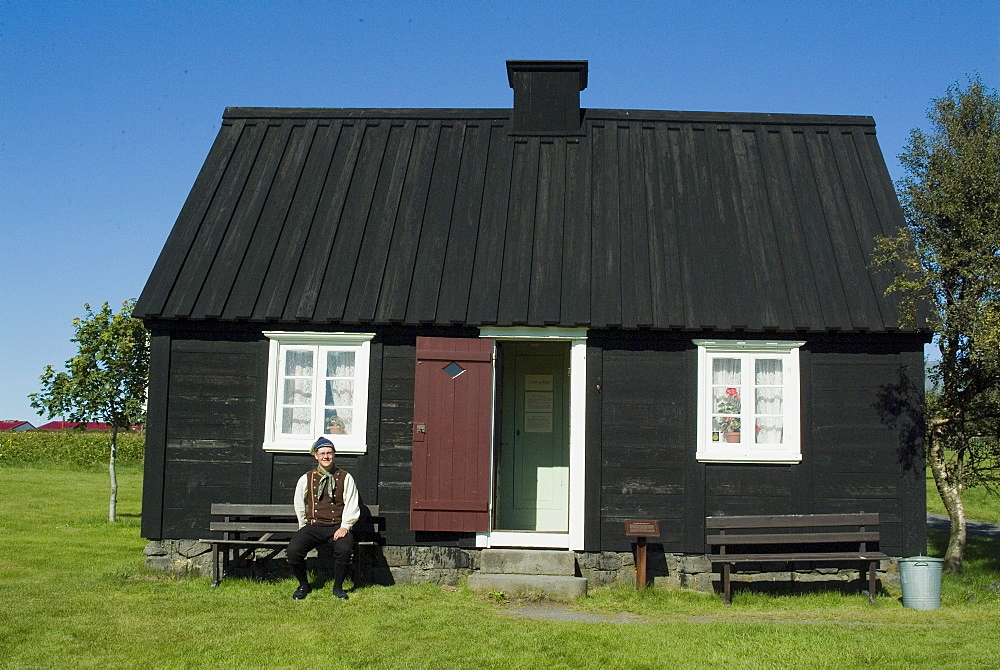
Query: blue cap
[{"x": 322, "y": 442}]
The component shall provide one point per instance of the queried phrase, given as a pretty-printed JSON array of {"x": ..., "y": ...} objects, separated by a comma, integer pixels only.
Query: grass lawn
[
  {"x": 980, "y": 504},
  {"x": 73, "y": 593}
]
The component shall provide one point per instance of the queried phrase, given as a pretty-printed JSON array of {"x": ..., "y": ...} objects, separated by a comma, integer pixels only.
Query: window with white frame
[
  {"x": 748, "y": 401},
  {"x": 317, "y": 385}
]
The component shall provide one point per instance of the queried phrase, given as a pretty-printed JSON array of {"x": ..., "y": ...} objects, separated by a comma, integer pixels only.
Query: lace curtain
[
  {"x": 768, "y": 398},
  {"x": 339, "y": 398},
  {"x": 296, "y": 416}
]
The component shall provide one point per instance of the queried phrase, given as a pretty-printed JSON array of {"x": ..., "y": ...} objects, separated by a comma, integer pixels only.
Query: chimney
[{"x": 547, "y": 96}]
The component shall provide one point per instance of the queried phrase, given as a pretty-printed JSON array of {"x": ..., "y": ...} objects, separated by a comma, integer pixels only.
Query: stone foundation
[
  {"x": 179, "y": 556},
  {"x": 446, "y": 566},
  {"x": 424, "y": 565}
]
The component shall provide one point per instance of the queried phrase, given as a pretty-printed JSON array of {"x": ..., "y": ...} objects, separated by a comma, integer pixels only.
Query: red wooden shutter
[{"x": 452, "y": 410}]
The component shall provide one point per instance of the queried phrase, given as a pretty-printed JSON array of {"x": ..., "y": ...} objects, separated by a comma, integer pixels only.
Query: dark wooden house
[{"x": 523, "y": 326}]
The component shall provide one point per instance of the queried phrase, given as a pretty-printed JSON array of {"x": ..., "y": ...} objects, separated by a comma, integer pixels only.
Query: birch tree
[
  {"x": 950, "y": 258},
  {"x": 105, "y": 381}
]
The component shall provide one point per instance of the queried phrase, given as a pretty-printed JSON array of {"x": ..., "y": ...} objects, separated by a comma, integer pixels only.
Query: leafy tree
[
  {"x": 950, "y": 265},
  {"x": 106, "y": 380}
]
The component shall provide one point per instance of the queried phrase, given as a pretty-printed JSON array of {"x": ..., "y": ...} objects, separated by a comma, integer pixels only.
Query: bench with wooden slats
[
  {"x": 246, "y": 528},
  {"x": 766, "y": 539}
]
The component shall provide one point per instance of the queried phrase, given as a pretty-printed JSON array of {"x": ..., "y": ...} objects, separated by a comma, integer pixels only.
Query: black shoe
[
  {"x": 301, "y": 592},
  {"x": 339, "y": 593}
]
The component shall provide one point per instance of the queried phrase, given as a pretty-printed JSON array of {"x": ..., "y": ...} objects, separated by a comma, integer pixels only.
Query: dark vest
[{"x": 325, "y": 511}]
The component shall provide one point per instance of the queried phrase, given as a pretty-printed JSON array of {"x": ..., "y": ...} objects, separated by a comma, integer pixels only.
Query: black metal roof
[{"x": 659, "y": 219}]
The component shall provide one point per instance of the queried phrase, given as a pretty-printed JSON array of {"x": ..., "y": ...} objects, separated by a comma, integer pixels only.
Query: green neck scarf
[{"x": 326, "y": 481}]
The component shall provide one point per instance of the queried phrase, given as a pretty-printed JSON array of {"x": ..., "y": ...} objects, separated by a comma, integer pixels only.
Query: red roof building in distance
[
  {"x": 16, "y": 425},
  {"x": 62, "y": 425},
  {"x": 90, "y": 425}
]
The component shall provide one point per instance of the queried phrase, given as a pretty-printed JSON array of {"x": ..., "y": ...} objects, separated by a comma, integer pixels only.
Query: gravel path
[
  {"x": 558, "y": 612},
  {"x": 976, "y": 528}
]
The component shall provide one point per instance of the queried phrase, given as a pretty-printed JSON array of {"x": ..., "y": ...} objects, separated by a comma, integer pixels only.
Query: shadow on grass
[
  {"x": 981, "y": 553},
  {"x": 778, "y": 584}
]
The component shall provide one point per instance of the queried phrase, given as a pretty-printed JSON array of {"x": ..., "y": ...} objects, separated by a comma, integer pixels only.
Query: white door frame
[{"x": 573, "y": 539}]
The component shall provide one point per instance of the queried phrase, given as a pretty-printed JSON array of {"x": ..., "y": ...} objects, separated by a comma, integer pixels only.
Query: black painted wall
[
  {"x": 207, "y": 408},
  {"x": 205, "y": 435},
  {"x": 861, "y": 439},
  {"x": 647, "y": 431},
  {"x": 861, "y": 444}
]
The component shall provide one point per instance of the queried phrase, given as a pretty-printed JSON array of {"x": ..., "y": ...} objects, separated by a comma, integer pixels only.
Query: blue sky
[{"x": 108, "y": 109}]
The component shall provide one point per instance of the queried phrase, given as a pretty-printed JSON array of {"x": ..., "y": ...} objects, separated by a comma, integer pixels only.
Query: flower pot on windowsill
[
  {"x": 335, "y": 430},
  {"x": 733, "y": 436}
]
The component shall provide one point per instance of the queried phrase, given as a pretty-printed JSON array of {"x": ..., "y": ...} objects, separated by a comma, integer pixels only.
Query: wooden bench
[
  {"x": 836, "y": 538},
  {"x": 246, "y": 528}
]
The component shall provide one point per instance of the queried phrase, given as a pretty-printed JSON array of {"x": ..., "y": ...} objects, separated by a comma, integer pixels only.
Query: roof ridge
[{"x": 590, "y": 114}]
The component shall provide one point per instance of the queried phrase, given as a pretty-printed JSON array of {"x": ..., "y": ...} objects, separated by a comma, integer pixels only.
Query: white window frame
[
  {"x": 789, "y": 450},
  {"x": 360, "y": 344},
  {"x": 573, "y": 540}
]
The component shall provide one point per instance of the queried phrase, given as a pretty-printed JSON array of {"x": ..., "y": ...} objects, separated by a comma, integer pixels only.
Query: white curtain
[{"x": 768, "y": 396}]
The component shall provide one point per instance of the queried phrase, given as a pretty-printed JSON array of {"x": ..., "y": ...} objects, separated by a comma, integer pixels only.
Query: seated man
[{"x": 326, "y": 502}]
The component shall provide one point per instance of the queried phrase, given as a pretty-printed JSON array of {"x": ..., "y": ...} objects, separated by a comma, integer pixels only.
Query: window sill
[
  {"x": 301, "y": 447},
  {"x": 739, "y": 456}
]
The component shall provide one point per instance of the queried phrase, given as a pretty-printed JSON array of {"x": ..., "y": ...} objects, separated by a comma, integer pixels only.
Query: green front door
[{"x": 532, "y": 487}]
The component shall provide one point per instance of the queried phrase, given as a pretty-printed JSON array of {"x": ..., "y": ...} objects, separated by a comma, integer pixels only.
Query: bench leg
[
  {"x": 215, "y": 565},
  {"x": 727, "y": 595},
  {"x": 872, "y": 574},
  {"x": 356, "y": 565}
]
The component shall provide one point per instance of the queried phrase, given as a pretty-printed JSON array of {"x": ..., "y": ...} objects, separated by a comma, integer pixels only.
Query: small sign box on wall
[{"x": 640, "y": 529}]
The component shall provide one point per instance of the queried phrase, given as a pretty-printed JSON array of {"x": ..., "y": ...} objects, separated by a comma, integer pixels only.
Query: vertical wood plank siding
[
  {"x": 440, "y": 217},
  {"x": 459, "y": 252},
  {"x": 159, "y": 286}
]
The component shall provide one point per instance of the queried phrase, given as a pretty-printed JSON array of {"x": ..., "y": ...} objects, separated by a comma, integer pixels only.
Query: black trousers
[{"x": 308, "y": 538}]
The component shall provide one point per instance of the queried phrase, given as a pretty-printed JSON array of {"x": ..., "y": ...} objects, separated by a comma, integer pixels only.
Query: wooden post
[
  {"x": 641, "y": 529},
  {"x": 640, "y": 562}
]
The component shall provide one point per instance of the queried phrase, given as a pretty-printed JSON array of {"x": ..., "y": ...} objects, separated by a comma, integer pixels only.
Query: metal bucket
[{"x": 921, "y": 580}]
